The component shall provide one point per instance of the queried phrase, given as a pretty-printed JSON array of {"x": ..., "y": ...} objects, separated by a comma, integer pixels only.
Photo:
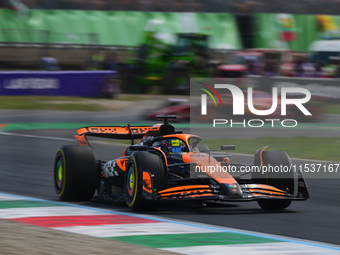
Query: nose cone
[{"x": 232, "y": 190}]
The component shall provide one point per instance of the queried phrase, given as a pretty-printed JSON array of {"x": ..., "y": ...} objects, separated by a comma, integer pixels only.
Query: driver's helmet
[{"x": 172, "y": 145}]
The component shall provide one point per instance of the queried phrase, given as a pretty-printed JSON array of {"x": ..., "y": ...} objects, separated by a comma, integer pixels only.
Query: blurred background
[
  {"x": 65, "y": 64},
  {"x": 155, "y": 47}
]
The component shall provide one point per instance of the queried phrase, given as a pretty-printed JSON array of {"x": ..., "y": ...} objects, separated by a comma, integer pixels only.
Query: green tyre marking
[{"x": 60, "y": 173}]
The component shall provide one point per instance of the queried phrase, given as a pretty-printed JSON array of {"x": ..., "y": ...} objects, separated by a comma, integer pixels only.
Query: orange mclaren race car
[{"x": 167, "y": 165}]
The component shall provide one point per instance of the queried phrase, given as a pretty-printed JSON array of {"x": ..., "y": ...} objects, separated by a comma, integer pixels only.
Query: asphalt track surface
[{"x": 26, "y": 168}]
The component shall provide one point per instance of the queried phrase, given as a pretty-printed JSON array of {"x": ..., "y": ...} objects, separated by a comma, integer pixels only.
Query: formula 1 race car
[{"x": 167, "y": 165}]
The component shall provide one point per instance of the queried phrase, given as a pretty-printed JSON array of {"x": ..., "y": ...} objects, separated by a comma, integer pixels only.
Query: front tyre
[
  {"x": 133, "y": 186},
  {"x": 282, "y": 180},
  {"x": 75, "y": 173}
]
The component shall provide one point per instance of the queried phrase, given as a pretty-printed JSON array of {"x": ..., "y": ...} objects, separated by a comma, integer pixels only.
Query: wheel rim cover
[
  {"x": 130, "y": 181},
  {"x": 59, "y": 173}
]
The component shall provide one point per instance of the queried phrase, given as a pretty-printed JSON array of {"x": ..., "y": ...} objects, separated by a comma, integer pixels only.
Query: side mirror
[
  {"x": 138, "y": 148},
  {"x": 227, "y": 147}
]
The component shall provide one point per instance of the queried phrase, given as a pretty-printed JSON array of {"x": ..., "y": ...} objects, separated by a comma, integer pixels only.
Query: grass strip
[{"x": 317, "y": 148}]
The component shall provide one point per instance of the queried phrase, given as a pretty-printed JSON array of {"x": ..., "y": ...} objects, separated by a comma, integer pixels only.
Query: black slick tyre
[
  {"x": 75, "y": 173},
  {"x": 282, "y": 180},
  {"x": 133, "y": 188}
]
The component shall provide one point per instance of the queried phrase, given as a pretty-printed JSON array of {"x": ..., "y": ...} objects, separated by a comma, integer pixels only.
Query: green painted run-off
[
  {"x": 25, "y": 204},
  {"x": 193, "y": 239}
]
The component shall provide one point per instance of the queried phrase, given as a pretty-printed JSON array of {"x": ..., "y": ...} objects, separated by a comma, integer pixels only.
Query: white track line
[
  {"x": 36, "y": 136},
  {"x": 280, "y": 248},
  {"x": 114, "y": 230},
  {"x": 11, "y": 213}
]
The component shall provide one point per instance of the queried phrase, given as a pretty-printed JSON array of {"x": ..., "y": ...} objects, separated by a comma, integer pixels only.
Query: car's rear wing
[{"x": 113, "y": 132}]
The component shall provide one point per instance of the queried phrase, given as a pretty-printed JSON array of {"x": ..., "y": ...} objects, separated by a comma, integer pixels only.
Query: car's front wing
[{"x": 221, "y": 192}]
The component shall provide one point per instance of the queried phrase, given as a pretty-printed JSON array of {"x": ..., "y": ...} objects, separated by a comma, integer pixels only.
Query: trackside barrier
[{"x": 54, "y": 83}]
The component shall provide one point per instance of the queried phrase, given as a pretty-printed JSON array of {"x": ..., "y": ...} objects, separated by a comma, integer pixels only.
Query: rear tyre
[
  {"x": 133, "y": 188},
  {"x": 75, "y": 173},
  {"x": 281, "y": 180}
]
